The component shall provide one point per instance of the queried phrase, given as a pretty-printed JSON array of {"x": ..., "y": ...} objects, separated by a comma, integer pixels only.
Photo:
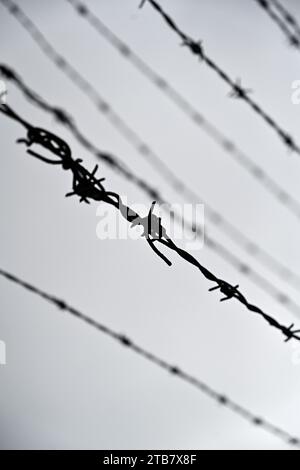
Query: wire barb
[
  {"x": 221, "y": 250},
  {"x": 195, "y": 46},
  {"x": 197, "y": 49},
  {"x": 229, "y": 291}
]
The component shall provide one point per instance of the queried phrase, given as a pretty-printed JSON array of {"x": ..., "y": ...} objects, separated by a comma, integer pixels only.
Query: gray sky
[{"x": 65, "y": 385}]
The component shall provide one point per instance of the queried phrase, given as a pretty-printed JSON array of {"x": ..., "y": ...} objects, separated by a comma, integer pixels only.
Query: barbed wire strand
[
  {"x": 144, "y": 150},
  {"x": 230, "y": 148},
  {"x": 109, "y": 159},
  {"x": 293, "y": 38},
  {"x": 87, "y": 186},
  {"x": 237, "y": 91},
  {"x": 176, "y": 371},
  {"x": 65, "y": 119},
  {"x": 287, "y": 16}
]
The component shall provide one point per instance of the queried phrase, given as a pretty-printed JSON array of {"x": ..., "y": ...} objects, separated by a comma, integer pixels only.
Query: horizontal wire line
[
  {"x": 229, "y": 147},
  {"x": 86, "y": 186},
  {"x": 115, "y": 163},
  {"x": 176, "y": 371},
  {"x": 238, "y": 91}
]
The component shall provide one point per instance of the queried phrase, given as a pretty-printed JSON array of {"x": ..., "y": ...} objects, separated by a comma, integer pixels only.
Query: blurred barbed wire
[
  {"x": 228, "y": 146},
  {"x": 88, "y": 187},
  {"x": 176, "y": 371},
  {"x": 237, "y": 90},
  {"x": 64, "y": 118},
  {"x": 153, "y": 158},
  {"x": 290, "y": 19}
]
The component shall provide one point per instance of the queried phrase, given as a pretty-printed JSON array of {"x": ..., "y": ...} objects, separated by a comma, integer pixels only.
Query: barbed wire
[
  {"x": 128, "y": 343},
  {"x": 230, "y": 148},
  {"x": 64, "y": 118},
  {"x": 156, "y": 162},
  {"x": 287, "y": 16},
  {"x": 145, "y": 151},
  {"x": 292, "y": 37},
  {"x": 237, "y": 90},
  {"x": 88, "y": 187}
]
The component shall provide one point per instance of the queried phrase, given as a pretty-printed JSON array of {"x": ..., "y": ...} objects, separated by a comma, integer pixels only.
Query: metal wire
[
  {"x": 292, "y": 37},
  {"x": 115, "y": 163},
  {"x": 86, "y": 186},
  {"x": 230, "y": 148},
  {"x": 237, "y": 91},
  {"x": 180, "y": 373}
]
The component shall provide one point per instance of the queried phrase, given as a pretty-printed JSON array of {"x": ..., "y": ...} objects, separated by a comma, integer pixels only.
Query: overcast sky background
[{"x": 67, "y": 386}]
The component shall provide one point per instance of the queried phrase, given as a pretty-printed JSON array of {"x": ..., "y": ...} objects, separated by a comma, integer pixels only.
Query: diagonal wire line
[
  {"x": 292, "y": 37},
  {"x": 176, "y": 371},
  {"x": 64, "y": 118},
  {"x": 287, "y": 16},
  {"x": 88, "y": 187},
  {"x": 196, "y": 48},
  {"x": 230, "y": 148},
  {"x": 146, "y": 152}
]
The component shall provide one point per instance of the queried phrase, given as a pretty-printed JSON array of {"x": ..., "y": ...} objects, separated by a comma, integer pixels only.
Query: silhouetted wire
[
  {"x": 238, "y": 91},
  {"x": 87, "y": 186},
  {"x": 292, "y": 38},
  {"x": 145, "y": 151},
  {"x": 64, "y": 118},
  {"x": 287, "y": 16},
  {"x": 182, "y": 103},
  {"x": 125, "y": 341}
]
